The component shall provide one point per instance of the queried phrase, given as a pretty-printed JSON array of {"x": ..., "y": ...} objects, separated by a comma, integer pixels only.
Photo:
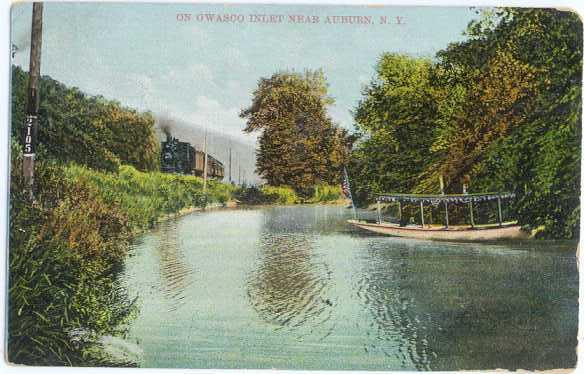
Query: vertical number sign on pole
[{"x": 33, "y": 100}]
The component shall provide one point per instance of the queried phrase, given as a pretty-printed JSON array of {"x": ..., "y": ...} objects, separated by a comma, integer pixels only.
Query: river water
[{"x": 297, "y": 288}]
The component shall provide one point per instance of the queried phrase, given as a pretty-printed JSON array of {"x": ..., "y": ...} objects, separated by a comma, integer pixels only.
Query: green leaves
[
  {"x": 396, "y": 115},
  {"x": 503, "y": 106},
  {"x": 65, "y": 249},
  {"x": 87, "y": 130},
  {"x": 299, "y": 145}
]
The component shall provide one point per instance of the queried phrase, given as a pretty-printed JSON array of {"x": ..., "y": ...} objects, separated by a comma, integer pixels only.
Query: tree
[
  {"x": 299, "y": 145},
  {"x": 540, "y": 160},
  {"x": 503, "y": 106},
  {"x": 395, "y": 120},
  {"x": 479, "y": 106}
]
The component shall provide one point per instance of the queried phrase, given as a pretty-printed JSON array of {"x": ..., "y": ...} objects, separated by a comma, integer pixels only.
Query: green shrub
[
  {"x": 145, "y": 197},
  {"x": 325, "y": 193},
  {"x": 66, "y": 247},
  {"x": 283, "y": 195}
]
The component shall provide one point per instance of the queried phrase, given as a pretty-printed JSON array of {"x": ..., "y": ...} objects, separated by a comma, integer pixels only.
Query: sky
[{"x": 201, "y": 73}]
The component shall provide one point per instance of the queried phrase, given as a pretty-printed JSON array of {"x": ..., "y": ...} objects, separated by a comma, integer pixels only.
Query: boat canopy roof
[{"x": 436, "y": 199}]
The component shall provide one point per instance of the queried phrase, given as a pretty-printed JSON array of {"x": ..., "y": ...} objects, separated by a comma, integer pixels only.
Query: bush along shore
[
  {"x": 285, "y": 195},
  {"x": 97, "y": 185},
  {"x": 67, "y": 247}
]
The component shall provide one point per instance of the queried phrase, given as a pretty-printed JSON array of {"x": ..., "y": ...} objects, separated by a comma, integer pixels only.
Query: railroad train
[{"x": 182, "y": 158}]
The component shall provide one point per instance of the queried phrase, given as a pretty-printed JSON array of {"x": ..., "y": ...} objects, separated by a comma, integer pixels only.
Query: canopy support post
[
  {"x": 422, "y": 212},
  {"x": 378, "y": 212},
  {"x": 471, "y": 215},
  {"x": 399, "y": 210},
  {"x": 446, "y": 212},
  {"x": 499, "y": 209}
]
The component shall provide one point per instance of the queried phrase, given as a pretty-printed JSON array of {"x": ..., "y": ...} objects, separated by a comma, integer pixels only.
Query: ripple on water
[
  {"x": 175, "y": 272},
  {"x": 288, "y": 286},
  {"x": 303, "y": 291}
]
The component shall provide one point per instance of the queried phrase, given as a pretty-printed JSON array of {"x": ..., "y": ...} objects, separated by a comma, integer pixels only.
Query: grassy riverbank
[
  {"x": 67, "y": 246},
  {"x": 285, "y": 195}
]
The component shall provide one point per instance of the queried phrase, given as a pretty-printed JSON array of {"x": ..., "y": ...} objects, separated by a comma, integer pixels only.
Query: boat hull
[{"x": 464, "y": 234}]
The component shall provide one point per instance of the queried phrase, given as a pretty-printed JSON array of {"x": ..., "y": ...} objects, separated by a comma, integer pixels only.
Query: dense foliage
[
  {"x": 396, "y": 118},
  {"x": 501, "y": 109},
  {"x": 88, "y": 130},
  {"x": 66, "y": 247},
  {"x": 285, "y": 195},
  {"x": 299, "y": 145}
]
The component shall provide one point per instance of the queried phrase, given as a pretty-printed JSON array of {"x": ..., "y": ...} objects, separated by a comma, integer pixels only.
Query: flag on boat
[{"x": 345, "y": 186}]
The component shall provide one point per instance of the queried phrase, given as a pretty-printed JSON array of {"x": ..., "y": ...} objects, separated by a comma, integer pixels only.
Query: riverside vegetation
[
  {"x": 286, "y": 195},
  {"x": 96, "y": 185},
  {"x": 67, "y": 246},
  {"x": 501, "y": 108}
]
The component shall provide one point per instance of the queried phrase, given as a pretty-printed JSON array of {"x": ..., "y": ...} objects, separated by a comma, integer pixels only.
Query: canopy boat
[{"x": 484, "y": 232}]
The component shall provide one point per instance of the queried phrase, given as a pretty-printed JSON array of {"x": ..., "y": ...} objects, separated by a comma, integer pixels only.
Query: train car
[
  {"x": 182, "y": 158},
  {"x": 176, "y": 156},
  {"x": 199, "y": 164},
  {"x": 168, "y": 151},
  {"x": 216, "y": 168}
]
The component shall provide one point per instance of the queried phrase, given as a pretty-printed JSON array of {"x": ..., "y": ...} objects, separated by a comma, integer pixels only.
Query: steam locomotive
[{"x": 182, "y": 158}]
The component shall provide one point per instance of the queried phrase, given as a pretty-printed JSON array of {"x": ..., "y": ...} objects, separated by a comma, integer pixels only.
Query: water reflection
[
  {"x": 288, "y": 288},
  {"x": 470, "y": 306},
  {"x": 175, "y": 273},
  {"x": 399, "y": 331},
  {"x": 296, "y": 288},
  {"x": 305, "y": 219},
  {"x": 289, "y": 285}
]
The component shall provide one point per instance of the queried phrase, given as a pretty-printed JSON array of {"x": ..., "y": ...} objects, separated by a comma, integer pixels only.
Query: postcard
[{"x": 294, "y": 186}]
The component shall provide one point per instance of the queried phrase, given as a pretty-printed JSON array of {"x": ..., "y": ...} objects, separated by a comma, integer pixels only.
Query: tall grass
[
  {"x": 66, "y": 248},
  {"x": 144, "y": 197},
  {"x": 283, "y": 195},
  {"x": 325, "y": 193}
]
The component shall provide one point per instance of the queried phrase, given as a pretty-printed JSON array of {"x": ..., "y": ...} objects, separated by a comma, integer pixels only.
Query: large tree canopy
[
  {"x": 502, "y": 107},
  {"x": 395, "y": 118},
  {"x": 298, "y": 145}
]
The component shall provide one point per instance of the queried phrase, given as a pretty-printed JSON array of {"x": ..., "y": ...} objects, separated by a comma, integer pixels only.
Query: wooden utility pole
[
  {"x": 33, "y": 99},
  {"x": 205, "y": 165},
  {"x": 229, "y": 163}
]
